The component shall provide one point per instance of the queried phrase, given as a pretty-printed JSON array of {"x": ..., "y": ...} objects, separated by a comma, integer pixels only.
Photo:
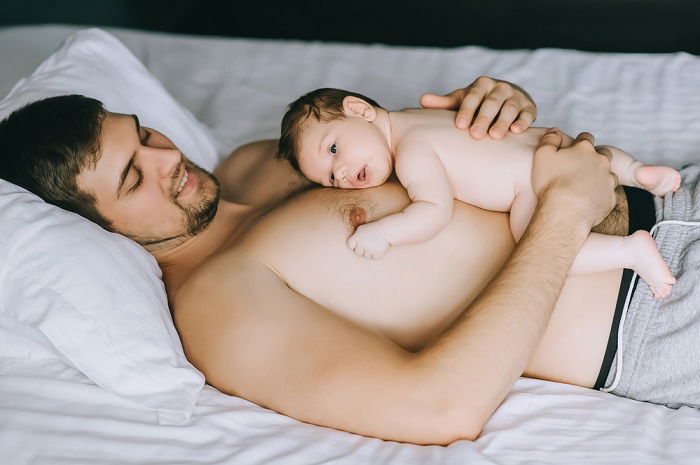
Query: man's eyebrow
[{"x": 128, "y": 166}]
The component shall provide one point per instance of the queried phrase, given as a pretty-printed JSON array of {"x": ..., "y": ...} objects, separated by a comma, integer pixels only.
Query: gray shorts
[{"x": 658, "y": 352}]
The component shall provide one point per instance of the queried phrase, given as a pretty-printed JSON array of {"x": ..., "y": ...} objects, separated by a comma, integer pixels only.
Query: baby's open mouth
[{"x": 361, "y": 175}]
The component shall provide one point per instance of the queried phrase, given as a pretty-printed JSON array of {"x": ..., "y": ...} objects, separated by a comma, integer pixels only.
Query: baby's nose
[{"x": 340, "y": 173}]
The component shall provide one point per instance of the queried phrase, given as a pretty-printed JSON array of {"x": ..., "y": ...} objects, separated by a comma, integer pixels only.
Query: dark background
[{"x": 595, "y": 25}]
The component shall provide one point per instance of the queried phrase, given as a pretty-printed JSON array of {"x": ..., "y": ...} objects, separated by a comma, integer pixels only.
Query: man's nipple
[{"x": 357, "y": 216}]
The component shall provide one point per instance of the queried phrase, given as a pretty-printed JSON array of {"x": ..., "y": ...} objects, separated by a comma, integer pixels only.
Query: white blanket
[{"x": 646, "y": 104}]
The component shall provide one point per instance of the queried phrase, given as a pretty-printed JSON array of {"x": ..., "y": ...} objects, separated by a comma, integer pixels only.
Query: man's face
[{"x": 145, "y": 186}]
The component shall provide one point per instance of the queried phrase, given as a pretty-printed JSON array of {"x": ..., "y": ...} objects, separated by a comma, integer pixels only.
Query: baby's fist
[{"x": 368, "y": 241}]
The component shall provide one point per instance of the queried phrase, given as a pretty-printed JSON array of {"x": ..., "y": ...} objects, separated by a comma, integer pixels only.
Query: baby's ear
[{"x": 354, "y": 106}]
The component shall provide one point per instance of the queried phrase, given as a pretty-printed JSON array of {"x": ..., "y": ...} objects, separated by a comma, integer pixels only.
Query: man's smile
[{"x": 188, "y": 183}]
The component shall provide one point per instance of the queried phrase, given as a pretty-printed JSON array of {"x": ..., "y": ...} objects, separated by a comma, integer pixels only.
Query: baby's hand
[{"x": 368, "y": 241}]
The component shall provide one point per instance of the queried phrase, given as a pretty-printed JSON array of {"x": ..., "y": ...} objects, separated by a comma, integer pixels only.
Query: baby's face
[{"x": 349, "y": 153}]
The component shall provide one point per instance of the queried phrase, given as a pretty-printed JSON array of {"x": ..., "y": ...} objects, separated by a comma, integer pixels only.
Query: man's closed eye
[{"x": 139, "y": 179}]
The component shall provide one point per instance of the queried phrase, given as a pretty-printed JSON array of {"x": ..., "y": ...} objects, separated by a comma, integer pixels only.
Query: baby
[{"x": 343, "y": 139}]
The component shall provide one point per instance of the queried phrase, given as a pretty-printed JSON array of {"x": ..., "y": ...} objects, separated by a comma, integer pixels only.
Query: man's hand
[
  {"x": 577, "y": 175},
  {"x": 485, "y": 103},
  {"x": 369, "y": 242}
]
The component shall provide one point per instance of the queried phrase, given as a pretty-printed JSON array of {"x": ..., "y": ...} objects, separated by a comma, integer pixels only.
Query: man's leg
[{"x": 658, "y": 342}]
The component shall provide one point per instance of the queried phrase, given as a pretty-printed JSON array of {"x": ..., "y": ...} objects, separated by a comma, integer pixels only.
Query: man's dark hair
[
  {"x": 45, "y": 145},
  {"x": 324, "y": 105}
]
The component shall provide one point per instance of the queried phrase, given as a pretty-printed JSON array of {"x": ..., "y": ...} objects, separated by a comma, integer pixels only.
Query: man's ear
[{"x": 354, "y": 106}]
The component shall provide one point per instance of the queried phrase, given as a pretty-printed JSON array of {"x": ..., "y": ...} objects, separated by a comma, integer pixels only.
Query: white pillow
[
  {"x": 98, "y": 297},
  {"x": 96, "y": 64}
]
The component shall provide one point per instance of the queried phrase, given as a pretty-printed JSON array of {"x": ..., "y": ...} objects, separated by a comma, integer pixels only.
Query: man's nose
[{"x": 162, "y": 160}]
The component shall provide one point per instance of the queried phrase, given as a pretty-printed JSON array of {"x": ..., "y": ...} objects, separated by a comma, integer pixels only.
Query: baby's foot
[
  {"x": 647, "y": 262},
  {"x": 659, "y": 180}
]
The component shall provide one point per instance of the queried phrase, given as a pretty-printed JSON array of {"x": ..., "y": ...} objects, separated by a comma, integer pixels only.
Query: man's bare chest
[{"x": 410, "y": 294}]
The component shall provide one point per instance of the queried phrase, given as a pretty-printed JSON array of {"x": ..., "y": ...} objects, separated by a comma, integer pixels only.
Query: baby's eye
[
  {"x": 333, "y": 148},
  {"x": 144, "y": 141}
]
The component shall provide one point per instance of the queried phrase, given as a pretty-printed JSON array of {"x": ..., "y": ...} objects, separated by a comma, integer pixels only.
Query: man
[{"x": 272, "y": 307}]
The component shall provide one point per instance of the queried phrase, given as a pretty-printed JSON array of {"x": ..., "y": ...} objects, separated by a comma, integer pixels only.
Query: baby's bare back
[{"x": 486, "y": 173}]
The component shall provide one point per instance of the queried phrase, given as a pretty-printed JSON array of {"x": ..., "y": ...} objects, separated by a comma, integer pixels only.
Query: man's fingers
[
  {"x": 524, "y": 121},
  {"x": 604, "y": 151},
  {"x": 553, "y": 139},
  {"x": 508, "y": 114},
  {"x": 586, "y": 136},
  {"x": 485, "y": 106},
  {"x": 473, "y": 96},
  {"x": 448, "y": 102},
  {"x": 487, "y": 112},
  {"x": 616, "y": 180},
  {"x": 465, "y": 115},
  {"x": 489, "y": 109},
  {"x": 471, "y": 102}
]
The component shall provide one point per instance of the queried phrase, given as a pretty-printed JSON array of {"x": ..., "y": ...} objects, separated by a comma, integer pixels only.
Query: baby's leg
[
  {"x": 659, "y": 180},
  {"x": 521, "y": 211},
  {"x": 637, "y": 251}
]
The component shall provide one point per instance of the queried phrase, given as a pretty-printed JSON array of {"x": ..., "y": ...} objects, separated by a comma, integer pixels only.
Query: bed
[{"x": 52, "y": 412}]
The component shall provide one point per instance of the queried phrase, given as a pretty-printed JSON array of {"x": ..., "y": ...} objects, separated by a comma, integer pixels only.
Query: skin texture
[
  {"x": 436, "y": 164},
  {"x": 330, "y": 364},
  {"x": 264, "y": 297}
]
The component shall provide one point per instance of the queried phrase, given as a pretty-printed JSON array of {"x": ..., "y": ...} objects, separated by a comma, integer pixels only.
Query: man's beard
[
  {"x": 195, "y": 217},
  {"x": 198, "y": 217}
]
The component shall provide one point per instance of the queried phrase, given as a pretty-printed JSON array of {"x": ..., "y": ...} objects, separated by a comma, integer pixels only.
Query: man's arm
[
  {"x": 263, "y": 341},
  {"x": 477, "y": 360}
]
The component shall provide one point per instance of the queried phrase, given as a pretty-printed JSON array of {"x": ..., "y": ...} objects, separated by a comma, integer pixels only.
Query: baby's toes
[
  {"x": 677, "y": 182},
  {"x": 662, "y": 290}
]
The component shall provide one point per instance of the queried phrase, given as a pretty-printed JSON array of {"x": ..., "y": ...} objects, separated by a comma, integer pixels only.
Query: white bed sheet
[{"x": 647, "y": 104}]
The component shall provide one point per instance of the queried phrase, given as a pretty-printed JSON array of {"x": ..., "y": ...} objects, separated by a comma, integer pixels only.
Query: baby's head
[{"x": 332, "y": 137}]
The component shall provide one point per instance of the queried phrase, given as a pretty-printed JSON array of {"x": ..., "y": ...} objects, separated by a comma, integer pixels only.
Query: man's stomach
[{"x": 415, "y": 291}]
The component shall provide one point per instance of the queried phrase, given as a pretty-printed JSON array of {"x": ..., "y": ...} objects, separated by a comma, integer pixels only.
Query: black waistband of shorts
[
  {"x": 642, "y": 215},
  {"x": 642, "y": 212}
]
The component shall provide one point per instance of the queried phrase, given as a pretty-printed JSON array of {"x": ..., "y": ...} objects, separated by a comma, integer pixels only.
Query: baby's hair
[{"x": 324, "y": 105}]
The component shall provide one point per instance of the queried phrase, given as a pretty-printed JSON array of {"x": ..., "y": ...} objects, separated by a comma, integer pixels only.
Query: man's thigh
[{"x": 660, "y": 338}]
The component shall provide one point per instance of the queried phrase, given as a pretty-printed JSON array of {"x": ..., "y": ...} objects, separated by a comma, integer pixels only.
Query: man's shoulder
[
  {"x": 222, "y": 283},
  {"x": 251, "y": 175}
]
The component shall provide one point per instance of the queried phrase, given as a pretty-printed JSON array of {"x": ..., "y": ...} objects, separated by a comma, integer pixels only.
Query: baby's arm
[{"x": 422, "y": 173}]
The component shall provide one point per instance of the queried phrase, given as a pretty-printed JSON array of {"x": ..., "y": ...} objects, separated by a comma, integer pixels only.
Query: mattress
[{"x": 646, "y": 104}]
